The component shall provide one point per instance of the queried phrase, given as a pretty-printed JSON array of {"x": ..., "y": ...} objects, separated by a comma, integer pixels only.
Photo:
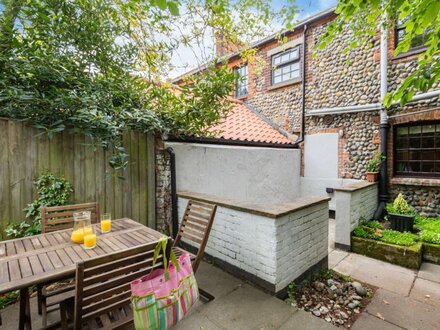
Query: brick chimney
[{"x": 223, "y": 46}]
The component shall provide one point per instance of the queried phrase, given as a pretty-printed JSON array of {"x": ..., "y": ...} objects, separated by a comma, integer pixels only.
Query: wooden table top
[{"x": 41, "y": 258}]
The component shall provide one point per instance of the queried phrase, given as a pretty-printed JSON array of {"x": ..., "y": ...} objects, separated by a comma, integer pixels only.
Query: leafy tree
[
  {"x": 419, "y": 17},
  {"x": 95, "y": 66}
]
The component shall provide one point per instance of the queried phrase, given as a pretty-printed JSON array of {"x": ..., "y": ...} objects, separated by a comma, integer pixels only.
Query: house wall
[{"x": 251, "y": 174}]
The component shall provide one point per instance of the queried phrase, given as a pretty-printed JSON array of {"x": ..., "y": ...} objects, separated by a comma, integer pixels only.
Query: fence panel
[{"x": 24, "y": 156}]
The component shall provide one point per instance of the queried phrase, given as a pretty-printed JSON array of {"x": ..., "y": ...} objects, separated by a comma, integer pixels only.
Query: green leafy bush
[
  {"x": 400, "y": 206},
  {"x": 429, "y": 229},
  {"x": 51, "y": 191},
  {"x": 398, "y": 238},
  {"x": 374, "y": 224}
]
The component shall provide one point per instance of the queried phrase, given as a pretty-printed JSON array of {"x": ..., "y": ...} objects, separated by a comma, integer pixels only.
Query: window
[
  {"x": 241, "y": 81},
  {"x": 285, "y": 66},
  {"x": 417, "y": 150},
  {"x": 417, "y": 42}
]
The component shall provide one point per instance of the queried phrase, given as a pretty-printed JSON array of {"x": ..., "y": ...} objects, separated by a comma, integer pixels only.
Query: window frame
[
  {"x": 399, "y": 26},
  {"x": 237, "y": 72},
  {"x": 290, "y": 61},
  {"x": 408, "y": 149}
]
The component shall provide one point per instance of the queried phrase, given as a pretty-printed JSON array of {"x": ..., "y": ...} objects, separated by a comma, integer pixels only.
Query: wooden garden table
[{"x": 43, "y": 258}]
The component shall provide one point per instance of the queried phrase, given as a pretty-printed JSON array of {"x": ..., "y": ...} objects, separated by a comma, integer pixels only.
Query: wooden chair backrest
[
  {"x": 103, "y": 285},
  {"x": 196, "y": 226},
  {"x": 61, "y": 217}
]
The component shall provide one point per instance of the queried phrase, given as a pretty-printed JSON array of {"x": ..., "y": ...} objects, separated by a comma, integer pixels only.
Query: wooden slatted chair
[
  {"x": 195, "y": 227},
  {"x": 102, "y": 289},
  {"x": 53, "y": 219},
  {"x": 61, "y": 217}
]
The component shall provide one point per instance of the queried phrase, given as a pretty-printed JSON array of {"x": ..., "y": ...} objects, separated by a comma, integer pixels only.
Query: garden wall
[
  {"x": 250, "y": 174},
  {"x": 271, "y": 246},
  {"x": 353, "y": 202},
  {"x": 24, "y": 154}
]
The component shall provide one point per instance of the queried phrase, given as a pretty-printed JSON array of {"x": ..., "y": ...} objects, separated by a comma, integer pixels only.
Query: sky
[{"x": 185, "y": 59}]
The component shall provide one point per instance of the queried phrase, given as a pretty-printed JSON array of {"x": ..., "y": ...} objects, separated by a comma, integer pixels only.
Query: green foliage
[
  {"x": 51, "y": 191},
  {"x": 373, "y": 165},
  {"x": 429, "y": 229},
  {"x": 398, "y": 238},
  {"x": 420, "y": 16},
  {"x": 291, "y": 292},
  {"x": 400, "y": 206},
  {"x": 374, "y": 230},
  {"x": 9, "y": 298}
]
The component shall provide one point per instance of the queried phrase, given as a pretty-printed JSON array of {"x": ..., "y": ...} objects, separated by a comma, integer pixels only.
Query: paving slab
[
  {"x": 426, "y": 291},
  {"x": 248, "y": 308},
  {"x": 302, "y": 320},
  {"x": 378, "y": 273},
  {"x": 215, "y": 281},
  {"x": 369, "y": 322},
  {"x": 429, "y": 272},
  {"x": 335, "y": 257},
  {"x": 197, "y": 321},
  {"x": 404, "y": 312}
]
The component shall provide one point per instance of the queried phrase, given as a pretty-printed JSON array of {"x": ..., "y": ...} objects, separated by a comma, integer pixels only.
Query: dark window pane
[
  {"x": 415, "y": 130},
  {"x": 428, "y": 142},
  {"x": 428, "y": 155},
  {"x": 428, "y": 167},
  {"x": 414, "y": 155},
  {"x": 402, "y": 131},
  {"x": 414, "y": 167},
  {"x": 414, "y": 142},
  {"x": 402, "y": 167},
  {"x": 428, "y": 129},
  {"x": 402, "y": 143},
  {"x": 402, "y": 155}
]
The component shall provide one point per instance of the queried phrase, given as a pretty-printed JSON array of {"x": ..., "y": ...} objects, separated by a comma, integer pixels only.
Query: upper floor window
[
  {"x": 241, "y": 81},
  {"x": 417, "y": 42},
  {"x": 285, "y": 66},
  {"x": 417, "y": 150}
]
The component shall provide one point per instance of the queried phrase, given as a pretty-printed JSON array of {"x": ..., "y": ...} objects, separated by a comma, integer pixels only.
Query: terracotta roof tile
[{"x": 244, "y": 124}]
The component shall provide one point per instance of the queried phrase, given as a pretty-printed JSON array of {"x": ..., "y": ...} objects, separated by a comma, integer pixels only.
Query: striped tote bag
[{"x": 165, "y": 296}]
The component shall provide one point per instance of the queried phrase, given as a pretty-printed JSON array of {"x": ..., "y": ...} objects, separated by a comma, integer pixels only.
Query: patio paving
[{"x": 405, "y": 299}]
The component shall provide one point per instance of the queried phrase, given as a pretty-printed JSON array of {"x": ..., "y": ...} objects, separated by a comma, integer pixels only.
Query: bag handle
[{"x": 162, "y": 246}]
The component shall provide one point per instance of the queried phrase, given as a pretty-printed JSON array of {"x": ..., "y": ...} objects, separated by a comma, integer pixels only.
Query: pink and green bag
[{"x": 163, "y": 297}]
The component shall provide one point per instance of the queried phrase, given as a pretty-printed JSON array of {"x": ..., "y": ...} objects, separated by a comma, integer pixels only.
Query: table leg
[{"x": 25, "y": 310}]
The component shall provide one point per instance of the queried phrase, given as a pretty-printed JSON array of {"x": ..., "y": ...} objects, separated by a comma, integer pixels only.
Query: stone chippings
[
  {"x": 358, "y": 130},
  {"x": 426, "y": 200}
]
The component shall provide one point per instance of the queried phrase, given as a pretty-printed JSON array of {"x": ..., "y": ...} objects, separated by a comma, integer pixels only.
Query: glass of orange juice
[
  {"x": 89, "y": 237},
  {"x": 106, "y": 222}
]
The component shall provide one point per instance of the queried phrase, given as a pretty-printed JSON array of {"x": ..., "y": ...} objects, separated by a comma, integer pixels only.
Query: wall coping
[
  {"x": 269, "y": 211},
  {"x": 356, "y": 186},
  {"x": 427, "y": 182}
]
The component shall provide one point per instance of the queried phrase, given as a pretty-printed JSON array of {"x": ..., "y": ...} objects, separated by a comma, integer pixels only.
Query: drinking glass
[
  {"x": 106, "y": 222},
  {"x": 89, "y": 237}
]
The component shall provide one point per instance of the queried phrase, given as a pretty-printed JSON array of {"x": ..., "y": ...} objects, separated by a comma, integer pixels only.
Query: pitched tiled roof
[{"x": 244, "y": 124}]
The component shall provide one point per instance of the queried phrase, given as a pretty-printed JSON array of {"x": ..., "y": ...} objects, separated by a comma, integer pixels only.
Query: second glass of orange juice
[
  {"x": 89, "y": 237},
  {"x": 106, "y": 222}
]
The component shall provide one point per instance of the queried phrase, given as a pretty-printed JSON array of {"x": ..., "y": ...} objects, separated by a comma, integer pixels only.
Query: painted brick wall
[
  {"x": 353, "y": 203},
  {"x": 275, "y": 250}
]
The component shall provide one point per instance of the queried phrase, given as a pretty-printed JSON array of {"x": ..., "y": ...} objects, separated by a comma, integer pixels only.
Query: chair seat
[{"x": 178, "y": 251}]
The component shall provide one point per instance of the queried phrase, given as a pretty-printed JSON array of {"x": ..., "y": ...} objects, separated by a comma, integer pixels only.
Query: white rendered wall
[
  {"x": 351, "y": 206},
  {"x": 251, "y": 174},
  {"x": 275, "y": 250},
  {"x": 321, "y": 155}
]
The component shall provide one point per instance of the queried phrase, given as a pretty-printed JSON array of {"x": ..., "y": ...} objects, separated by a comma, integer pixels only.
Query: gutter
[
  {"x": 174, "y": 215},
  {"x": 217, "y": 141},
  {"x": 303, "y": 90}
]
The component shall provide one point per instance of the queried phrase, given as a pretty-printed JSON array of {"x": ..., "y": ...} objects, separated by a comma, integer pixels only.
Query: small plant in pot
[
  {"x": 373, "y": 166},
  {"x": 400, "y": 214}
]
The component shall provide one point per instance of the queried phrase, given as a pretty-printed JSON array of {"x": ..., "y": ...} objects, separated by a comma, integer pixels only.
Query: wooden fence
[{"x": 24, "y": 156}]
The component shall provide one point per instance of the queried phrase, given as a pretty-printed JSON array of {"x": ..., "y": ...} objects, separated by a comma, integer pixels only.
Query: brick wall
[
  {"x": 353, "y": 203},
  {"x": 277, "y": 251}
]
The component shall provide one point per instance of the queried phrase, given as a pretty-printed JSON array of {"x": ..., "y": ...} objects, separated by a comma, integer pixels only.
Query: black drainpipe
[
  {"x": 175, "y": 222},
  {"x": 303, "y": 103}
]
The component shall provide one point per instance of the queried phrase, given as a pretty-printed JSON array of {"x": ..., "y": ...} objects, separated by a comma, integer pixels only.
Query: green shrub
[
  {"x": 51, "y": 191},
  {"x": 398, "y": 238},
  {"x": 429, "y": 229},
  {"x": 374, "y": 224},
  {"x": 400, "y": 206}
]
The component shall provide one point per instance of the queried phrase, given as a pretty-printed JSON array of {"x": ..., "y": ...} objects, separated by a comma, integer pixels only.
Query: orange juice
[
  {"x": 77, "y": 236},
  {"x": 106, "y": 225},
  {"x": 88, "y": 231},
  {"x": 89, "y": 241}
]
